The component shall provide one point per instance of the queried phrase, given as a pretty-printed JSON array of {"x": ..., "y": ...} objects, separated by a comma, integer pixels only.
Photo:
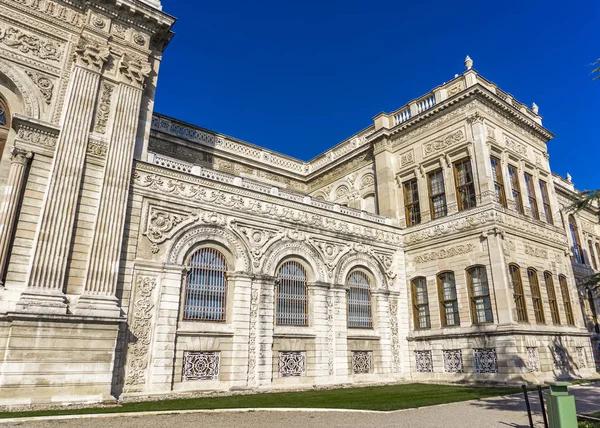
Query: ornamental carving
[
  {"x": 443, "y": 143},
  {"x": 276, "y": 252},
  {"x": 536, "y": 252},
  {"x": 20, "y": 156},
  {"x": 91, "y": 54},
  {"x": 162, "y": 224},
  {"x": 134, "y": 70},
  {"x": 453, "y": 251},
  {"x": 367, "y": 181},
  {"x": 37, "y": 136},
  {"x": 258, "y": 239},
  {"x": 455, "y": 89},
  {"x": 53, "y": 10},
  {"x": 139, "y": 39},
  {"x": 140, "y": 331},
  {"x": 330, "y": 334},
  {"x": 200, "y": 366},
  {"x": 588, "y": 227},
  {"x": 118, "y": 30},
  {"x": 28, "y": 43},
  {"x": 407, "y": 158},
  {"x": 97, "y": 148},
  {"x": 395, "y": 334},
  {"x": 533, "y": 359},
  {"x": 103, "y": 109},
  {"x": 352, "y": 259},
  {"x": 98, "y": 22},
  {"x": 581, "y": 357},
  {"x": 512, "y": 145},
  {"x": 559, "y": 355},
  {"x": 44, "y": 84},
  {"x": 453, "y": 361},
  {"x": 331, "y": 252},
  {"x": 254, "y": 301},
  {"x": 485, "y": 360},
  {"x": 509, "y": 245},
  {"x": 452, "y": 226},
  {"x": 292, "y": 364},
  {"x": 362, "y": 362},
  {"x": 423, "y": 361}
]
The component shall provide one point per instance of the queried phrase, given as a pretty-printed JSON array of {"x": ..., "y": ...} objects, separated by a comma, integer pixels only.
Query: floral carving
[
  {"x": 139, "y": 39},
  {"x": 161, "y": 223},
  {"x": 443, "y": 143},
  {"x": 140, "y": 331},
  {"x": 455, "y": 250},
  {"x": 330, "y": 335},
  {"x": 407, "y": 158},
  {"x": 28, "y": 43},
  {"x": 330, "y": 252},
  {"x": 37, "y": 136},
  {"x": 97, "y": 148},
  {"x": 44, "y": 84},
  {"x": 134, "y": 70},
  {"x": 258, "y": 239},
  {"x": 254, "y": 300},
  {"x": 394, "y": 330},
  {"x": 367, "y": 180},
  {"x": 536, "y": 252},
  {"x": 91, "y": 54},
  {"x": 103, "y": 109},
  {"x": 98, "y": 22},
  {"x": 119, "y": 30},
  {"x": 514, "y": 146}
]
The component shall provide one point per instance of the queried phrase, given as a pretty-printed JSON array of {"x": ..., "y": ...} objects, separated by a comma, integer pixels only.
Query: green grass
[
  {"x": 384, "y": 398},
  {"x": 583, "y": 423}
]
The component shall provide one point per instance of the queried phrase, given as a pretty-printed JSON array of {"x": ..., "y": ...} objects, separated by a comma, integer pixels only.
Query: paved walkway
[{"x": 499, "y": 412}]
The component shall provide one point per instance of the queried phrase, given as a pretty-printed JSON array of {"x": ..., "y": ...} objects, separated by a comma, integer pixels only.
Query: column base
[
  {"x": 39, "y": 303},
  {"x": 97, "y": 306}
]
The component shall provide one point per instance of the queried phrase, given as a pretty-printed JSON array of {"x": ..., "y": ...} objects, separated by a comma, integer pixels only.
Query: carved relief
[
  {"x": 443, "y": 143},
  {"x": 465, "y": 223},
  {"x": 103, "y": 109},
  {"x": 330, "y": 335},
  {"x": 28, "y": 43},
  {"x": 162, "y": 224},
  {"x": 140, "y": 331},
  {"x": 254, "y": 301},
  {"x": 536, "y": 252},
  {"x": 37, "y": 136},
  {"x": 367, "y": 181},
  {"x": 97, "y": 148},
  {"x": 91, "y": 54},
  {"x": 394, "y": 331},
  {"x": 43, "y": 83},
  {"x": 509, "y": 245},
  {"x": 53, "y": 10},
  {"x": 407, "y": 158},
  {"x": 514, "y": 146},
  {"x": 445, "y": 253},
  {"x": 258, "y": 239},
  {"x": 118, "y": 30},
  {"x": 134, "y": 70},
  {"x": 455, "y": 89}
]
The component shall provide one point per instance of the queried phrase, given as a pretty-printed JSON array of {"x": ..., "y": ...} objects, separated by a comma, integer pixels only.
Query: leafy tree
[{"x": 588, "y": 199}]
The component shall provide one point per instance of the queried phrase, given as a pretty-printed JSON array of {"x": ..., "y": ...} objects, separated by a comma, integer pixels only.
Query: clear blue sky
[{"x": 300, "y": 76}]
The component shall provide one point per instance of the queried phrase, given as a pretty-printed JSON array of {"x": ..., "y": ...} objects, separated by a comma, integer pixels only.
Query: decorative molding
[
  {"x": 103, "y": 109},
  {"x": 53, "y": 10},
  {"x": 475, "y": 118},
  {"x": 443, "y": 143},
  {"x": 393, "y": 307},
  {"x": 163, "y": 223},
  {"x": 536, "y": 252},
  {"x": 43, "y": 83},
  {"x": 445, "y": 253},
  {"x": 258, "y": 239},
  {"x": 28, "y": 43},
  {"x": 91, "y": 55},
  {"x": 39, "y": 137},
  {"x": 97, "y": 147},
  {"x": 134, "y": 70},
  {"x": 515, "y": 147},
  {"x": 450, "y": 226},
  {"x": 407, "y": 158}
]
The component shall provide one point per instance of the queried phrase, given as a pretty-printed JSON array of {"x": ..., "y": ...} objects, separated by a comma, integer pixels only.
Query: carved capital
[
  {"x": 134, "y": 70},
  {"x": 475, "y": 118},
  {"x": 91, "y": 55},
  {"x": 20, "y": 156}
]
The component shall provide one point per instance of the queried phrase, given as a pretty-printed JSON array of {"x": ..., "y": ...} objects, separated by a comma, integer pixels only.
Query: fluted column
[
  {"x": 45, "y": 291},
  {"x": 102, "y": 271},
  {"x": 10, "y": 204}
]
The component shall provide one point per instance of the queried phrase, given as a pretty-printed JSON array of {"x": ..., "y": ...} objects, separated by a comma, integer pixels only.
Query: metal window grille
[
  {"x": 200, "y": 365},
  {"x": 292, "y": 295},
  {"x": 536, "y": 296},
  {"x": 581, "y": 357},
  {"x": 206, "y": 286},
  {"x": 448, "y": 299},
  {"x": 560, "y": 357},
  {"x": 481, "y": 305},
  {"x": 453, "y": 361},
  {"x": 421, "y": 303},
  {"x": 516, "y": 189},
  {"x": 566, "y": 296},
  {"x": 552, "y": 297},
  {"x": 531, "y": 195},
  {"x": 533, "y": 359},
  {"x": 423, "y": 361},
  {"x": 411, "y": 202},
  {"x": 465, "y": 187},
  {"x": 292, "y": 364},
  {"x": 437, "y": 194},
  {"x": 362, "y": 362},
  {"x": 546, "y": 202},
  {"x": 498, "y": 182},
  {"x": 519, "y": 296},
  {"x": 359, "y": 300},
  {"x": 485, "y": 360}
]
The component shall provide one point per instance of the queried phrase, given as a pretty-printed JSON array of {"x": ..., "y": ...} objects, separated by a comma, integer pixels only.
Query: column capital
[
  {"x": 91, "y": 55},
  {"x": 133, "y": 71},
  {"x": 20, "y": 156}
]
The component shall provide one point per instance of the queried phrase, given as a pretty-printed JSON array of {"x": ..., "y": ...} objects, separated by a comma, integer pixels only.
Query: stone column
[
  {"x": 266, "y": 324},
  {"x": 13, "y": 191},
  {"x": 384, "y": 318},
  {"x": 321, "y": 302},
  {"x": 102, "y": 271},
  {"x": 339, "y": 333},
  {"x": 498, "y": 280},
  {"x": 45, "y": 291},
  {"x": 387, "y": 198}
]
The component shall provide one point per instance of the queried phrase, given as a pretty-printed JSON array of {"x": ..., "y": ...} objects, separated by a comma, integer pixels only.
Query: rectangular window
[
  {"x": 519, "y": 296},
  {"x": 552, "y": 298},
  {"x": 411, "y": 202},
  {"x": 531, "y": 195},
  {"x": 421, "y": 303},
  {"x": 481, "y": 305},
  {"x": 546, "y": 202},
  {"x": 516, "y": 188},
  {"x": 536, "y": 296},
  {"x": 448, "y": 299},
  {"x": 498, "y": 181},
  {"x": 437, "y": 194},
  {"x": 465, "y": 187},
  {"x": 566, "y": 296}
]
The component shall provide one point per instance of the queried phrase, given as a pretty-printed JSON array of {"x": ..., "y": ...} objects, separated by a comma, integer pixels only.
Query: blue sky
[{"x": 300, "y": 76}]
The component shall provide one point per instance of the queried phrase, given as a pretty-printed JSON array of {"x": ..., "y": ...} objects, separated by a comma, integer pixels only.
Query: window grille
[
  {"x": 516, "y": 188},
  {"x": 531, "y": 196},
  {"x": 292, "y": 363},
  {"x": 519, "y": 296},
  {"x": 411, "y": 202},
  {"x": 546, "y": 202},
  {"x": 359, "y": 300},
  {"x": 424, "y": 362},
  {"x": 566, "y": 296},
  {"x": 448, "y": 299},
  {"x": 437, "y": 194},
  {"x": 200, "y": 365},
  {"x": 536, "y": 296},
  {"x": 498, "y": 181},
  {"x": 420, "y": 303},
  {"x": 465, "y": 187},
  {"x": 533, "y": 359},
  {"x": 560, "y": 357},
  {"x": 577, "y": 249},
  {"x": 552, "y": 298},
  {"x": 206, "y": 286},
  {"x": 486, "y": 360},
  {"x": 362, "y": 362},
  {"x": 481, "y": 305},
  {"x": 292, "y": 295},
  {"x": 453, "y": 361},
  {"x": 581, "y": 357}
]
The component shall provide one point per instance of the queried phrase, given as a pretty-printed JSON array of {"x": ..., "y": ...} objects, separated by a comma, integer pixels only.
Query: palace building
[{"x": 142, "y": 255}]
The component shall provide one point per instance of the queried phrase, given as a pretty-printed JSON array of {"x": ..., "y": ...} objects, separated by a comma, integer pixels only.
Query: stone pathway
[{"x": 499, "y": 412}]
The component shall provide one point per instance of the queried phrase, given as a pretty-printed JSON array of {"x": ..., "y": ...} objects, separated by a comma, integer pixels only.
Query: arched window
[
  {"x": 566, "y": 296},
  {"x": 577, "y": 250},
  {"x": 292, "y": 295},
  {"x": 519, "y": 295},
  {"x": 4, "y": 125},
  {"x": 420, "y": 303},
  {"x": 448, "y": 299},
  {"x": 206, "y": 286},
  {"x": 536, "y": 296},
  {"x": 481, "y": 305},
  {"x": 552, "y": 297},
  {"x": 592, "y": 255},
  {"x": 359, "y": 300}
]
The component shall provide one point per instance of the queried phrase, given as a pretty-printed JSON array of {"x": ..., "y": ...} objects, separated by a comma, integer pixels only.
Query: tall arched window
[
  {"x": 420, "y": 303},
  {"x": 448, "y": 299},
  {"x": 4, "y": 125},
  {"x": 593, "y": 313},
  {"x": 592, "y": 255},
  {"x": 577, "y": 250},
  {"x": 481, "y": 305},
  {"x": 552, "y": 298},
  {"x": 536, "y": 296},
  {"x": 566, "y": 296},
  {"x": 206, "y": 286},
  {"x": 519, "y": 295},
  {"x": 292, "y": 295},
  {"x": 359, "y": 300}
]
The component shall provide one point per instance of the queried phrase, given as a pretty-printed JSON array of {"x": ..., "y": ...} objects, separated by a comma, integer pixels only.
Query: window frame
[
  {"x": 498, "y": 181},
  {"x": 552, "y": 301},
  {"x": 369, "y": 305},
  {"x": 535, "y": 213},
  {"x": 546, "y": 202},
  {"x": 515, "y": 187},
  {"x": 409, "y": 205},
  {"x": 566, "y": 296},
  {"x": 304, "y": 299},
  {"x": 536, "y": 296},
  {"x": 468, "y": 187},
  {"x": 443, "y": 301},
  {"x": 514, "y": 272},
  {"x": 417, "y": 305},
  {"x": 442, "y": 195},
  {"x": 577, "y": 248},
  {"x": 592, "y": 254},
  {"x": 473, "y": 298}
]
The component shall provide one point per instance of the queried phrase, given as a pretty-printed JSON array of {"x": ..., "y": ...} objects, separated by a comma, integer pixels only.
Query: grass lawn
[
  {"x": 583, "y": 423},
  {"x": 392, "y": 397}
]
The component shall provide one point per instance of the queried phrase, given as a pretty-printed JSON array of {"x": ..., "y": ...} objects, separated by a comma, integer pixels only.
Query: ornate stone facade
[{"x": 152, "y": 256}]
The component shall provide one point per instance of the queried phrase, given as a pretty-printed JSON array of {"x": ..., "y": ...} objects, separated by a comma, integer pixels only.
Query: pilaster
[
  {"x": 387, "y": 198},
  {"x": 266, "y": 324},
  {"x": 499, "y": 278}
]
